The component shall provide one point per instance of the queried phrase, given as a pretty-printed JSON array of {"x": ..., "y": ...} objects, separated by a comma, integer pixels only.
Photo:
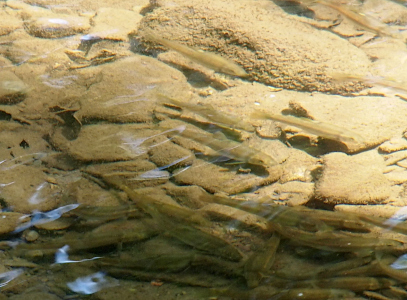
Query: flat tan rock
[
  {"x": 20, "y": 145},
  {"x": 110, "y": 142},
  {"x": 114, "y": 23},
  {"x": 292, "y": 193},
  {"x": 25, "y": 49},
  {"x": 56, "y": 26},
  {"x": 216, "y": 179},
  {"x": 170, "y": 155},
  {"x": 27, "y": 189},
  {"x": 269, "y": 130},
  {"x": 137, "y": 173},
  {"x": 295, "y": 193},
  {"x": 364, "y": 116},
  {"x": 357, "y": 179},
  {"x": 86, "y": 192},
  {"x": 127, "y": 90},
  {"x": 136, "y": 165},
  {"x": 298, "y": 167},
  {"x": 285, "y": 53},
  {"x": 44, "y": 23},
  {"x": 10, "y": 220}
]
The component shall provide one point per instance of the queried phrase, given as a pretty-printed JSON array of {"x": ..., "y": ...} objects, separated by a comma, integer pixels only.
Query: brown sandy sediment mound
[{"x": 272, "y": 47}]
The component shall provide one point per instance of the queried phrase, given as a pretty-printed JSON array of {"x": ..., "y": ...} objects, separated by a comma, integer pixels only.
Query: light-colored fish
[
  {"x": 6, "y": 277},
  {"x": 321, "y": 129},
  {"x": 366, "y": 22},
  {"x": 176, "y": 220},
  {"x": 335, "y": 241},
  {"x": 261, "y": 261},
  {"x": 207, "y": 59},
  {"x": 390, "y": 83},
  {"x": 326, "y": 270},
  {"x": 207, "y": 111},
  {"x": 229, "y": 148},
  {"x": 201, "y": 240},
  {"x": 157, "y": 208}
]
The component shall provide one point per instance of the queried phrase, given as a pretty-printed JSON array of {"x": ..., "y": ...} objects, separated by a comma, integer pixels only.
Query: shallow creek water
[{"x": 189, "y": 150}]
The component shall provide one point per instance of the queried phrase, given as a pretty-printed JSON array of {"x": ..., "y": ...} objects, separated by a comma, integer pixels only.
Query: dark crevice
[
  {"x": 295, "y": 8},
  {"x": 5, "y": 116}
]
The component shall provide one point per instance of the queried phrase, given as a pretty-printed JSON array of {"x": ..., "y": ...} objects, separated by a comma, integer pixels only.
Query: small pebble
[{"x": 31, "y": 236}]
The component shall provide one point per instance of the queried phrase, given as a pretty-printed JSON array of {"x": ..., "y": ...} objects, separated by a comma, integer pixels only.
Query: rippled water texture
[{"x": 203, "y": 149}]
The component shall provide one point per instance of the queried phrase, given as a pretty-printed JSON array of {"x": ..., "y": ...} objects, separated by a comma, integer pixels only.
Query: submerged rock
[
  {"x": 272, "y": 47},
  {"x": 113, "y": 23},
  {"x": 217, "y": 179},
  {"x": 372, "y": 118},
  {"x": 128, "y": 90},
  {"x": 12, "y": 88},
  {"x": 110, "y": 142},
  {"x": 357, "y": 179},
  {"x": 9, "y": 221},
  {"x": 56, "y": 26},
  {"x": 27, "y": 189}
]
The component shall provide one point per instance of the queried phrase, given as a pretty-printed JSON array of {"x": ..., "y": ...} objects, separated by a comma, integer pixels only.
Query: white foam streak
[
  {"x": 134, "y": 146},
  {"x": 400, "y": 263},
  {"x": 91, "y": 284},
  {"x": 38, "y": 217},
  {"x": 7, "y": 164},
  {"x": 399, "y": 216},
  {"x": 6, "y": 277},
  {"x": 35, "y": 198},
  {"x": 61, "y": 256}
]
